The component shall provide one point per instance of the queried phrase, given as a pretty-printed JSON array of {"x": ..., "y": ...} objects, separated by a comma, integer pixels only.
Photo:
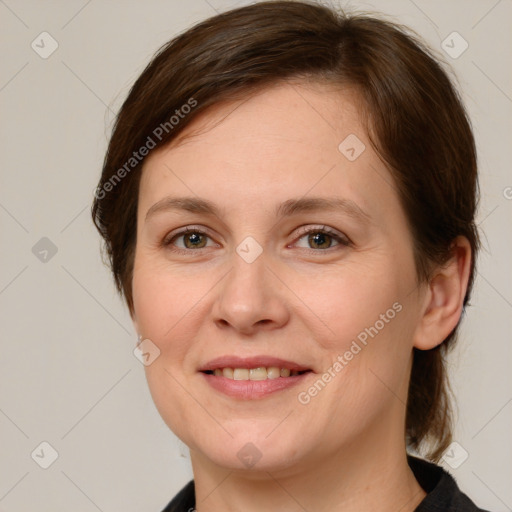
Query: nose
[{"x": 251, "y": 297}]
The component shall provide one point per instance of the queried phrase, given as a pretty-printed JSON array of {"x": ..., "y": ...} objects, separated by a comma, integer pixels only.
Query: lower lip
[{"x": 252, "y": 389}]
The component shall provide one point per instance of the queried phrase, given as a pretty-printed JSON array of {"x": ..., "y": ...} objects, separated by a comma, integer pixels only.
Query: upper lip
[{"x": 251, "y": 362}]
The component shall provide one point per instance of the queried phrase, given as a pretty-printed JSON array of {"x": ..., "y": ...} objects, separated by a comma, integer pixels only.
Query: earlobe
[{"x": 444, "y": 297}]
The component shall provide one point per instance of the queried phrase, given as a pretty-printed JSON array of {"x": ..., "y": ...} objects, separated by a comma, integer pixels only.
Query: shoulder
[
  {"x": 184, "y": 501},
  {"x": 442, "y": 490}
]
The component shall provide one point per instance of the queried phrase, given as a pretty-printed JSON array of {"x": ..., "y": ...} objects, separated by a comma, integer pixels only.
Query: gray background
[{"x": 68, "y": 374}]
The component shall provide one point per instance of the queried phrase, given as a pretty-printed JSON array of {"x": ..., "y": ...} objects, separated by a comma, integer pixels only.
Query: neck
[{"x": 370, "y": 473}]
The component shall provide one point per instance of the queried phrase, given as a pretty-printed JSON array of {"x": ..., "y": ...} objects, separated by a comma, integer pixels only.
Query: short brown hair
[{"x": 414, "y": 116}]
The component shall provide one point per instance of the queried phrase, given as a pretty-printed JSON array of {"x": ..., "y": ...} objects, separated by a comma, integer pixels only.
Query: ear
[{"x": 444, "y": 297}]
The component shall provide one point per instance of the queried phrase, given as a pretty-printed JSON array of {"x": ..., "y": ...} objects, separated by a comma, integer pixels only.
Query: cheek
[
  {"x": 164, "y": 307},
  {"x": 164, "y": 300},
  {"x": 347, "y": 302},
  {"x": 367, "y": 319}
]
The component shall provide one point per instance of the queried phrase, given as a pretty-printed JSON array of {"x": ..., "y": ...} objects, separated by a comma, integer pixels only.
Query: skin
[{"x": 299, "y": 300}]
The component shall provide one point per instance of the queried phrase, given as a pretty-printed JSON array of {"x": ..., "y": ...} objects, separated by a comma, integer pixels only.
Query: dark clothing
[{"x": 443, "y": 494}]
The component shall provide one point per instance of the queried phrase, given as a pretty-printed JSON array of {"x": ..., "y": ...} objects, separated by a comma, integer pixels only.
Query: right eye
[{"x": 193, "y": 239}]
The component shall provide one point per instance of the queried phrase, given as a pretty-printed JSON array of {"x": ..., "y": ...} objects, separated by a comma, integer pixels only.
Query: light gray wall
[{"x": 68, "y": 375}]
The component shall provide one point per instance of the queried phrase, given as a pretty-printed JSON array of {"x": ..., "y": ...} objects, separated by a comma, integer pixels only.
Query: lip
[
  {"x": 253, "y": 389},
  {"x": 229, "y": 361}
]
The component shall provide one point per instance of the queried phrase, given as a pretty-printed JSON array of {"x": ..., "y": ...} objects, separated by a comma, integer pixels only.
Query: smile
[{"x": 261, "y": 373}]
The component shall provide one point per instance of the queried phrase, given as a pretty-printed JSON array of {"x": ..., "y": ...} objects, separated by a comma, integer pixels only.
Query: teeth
[
  {"x": 258, "y": 374},
  {"x": 261, "y": 373},
  {"x": 273, "y": 372},
  {"x": 240, "y": 374}
]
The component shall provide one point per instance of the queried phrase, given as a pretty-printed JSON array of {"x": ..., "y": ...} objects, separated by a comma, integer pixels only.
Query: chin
[
  {"x": 253, "y": 450},
  {"x": 251, "y": 461}
]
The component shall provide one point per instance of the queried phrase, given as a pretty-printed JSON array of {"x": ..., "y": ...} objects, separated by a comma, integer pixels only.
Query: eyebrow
[{"x": 285, "y": 209}]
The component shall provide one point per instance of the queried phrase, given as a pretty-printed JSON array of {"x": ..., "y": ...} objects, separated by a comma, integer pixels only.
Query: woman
[{"x": 288, "y": 203}]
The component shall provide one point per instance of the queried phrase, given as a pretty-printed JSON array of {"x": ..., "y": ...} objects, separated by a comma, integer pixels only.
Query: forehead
[
  {"x": 304, "y": 111},
  {"x": 282, "y": 142},
  {"x": 296, "y": 123}
]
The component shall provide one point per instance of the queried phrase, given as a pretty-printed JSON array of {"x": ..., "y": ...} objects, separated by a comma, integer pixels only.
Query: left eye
[{"x": 323, "y": 238}]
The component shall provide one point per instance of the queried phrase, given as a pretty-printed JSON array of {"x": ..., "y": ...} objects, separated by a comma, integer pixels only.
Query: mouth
[
  {"x": 254, "y": 377},
  {"x": 253, "y": 368},
  {"x": 259, "y": 373}
]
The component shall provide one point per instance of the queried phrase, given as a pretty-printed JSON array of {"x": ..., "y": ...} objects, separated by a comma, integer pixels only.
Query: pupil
[
  {"x": 194, "y": 238},
  {"x": 319, "y": 238}
]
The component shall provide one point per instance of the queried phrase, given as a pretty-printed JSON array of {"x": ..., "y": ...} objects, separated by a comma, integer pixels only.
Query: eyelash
[{"x": 167, "y": 241}]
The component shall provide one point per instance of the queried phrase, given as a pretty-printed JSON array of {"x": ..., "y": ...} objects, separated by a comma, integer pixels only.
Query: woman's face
[{"x": 274, "y": 274}]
